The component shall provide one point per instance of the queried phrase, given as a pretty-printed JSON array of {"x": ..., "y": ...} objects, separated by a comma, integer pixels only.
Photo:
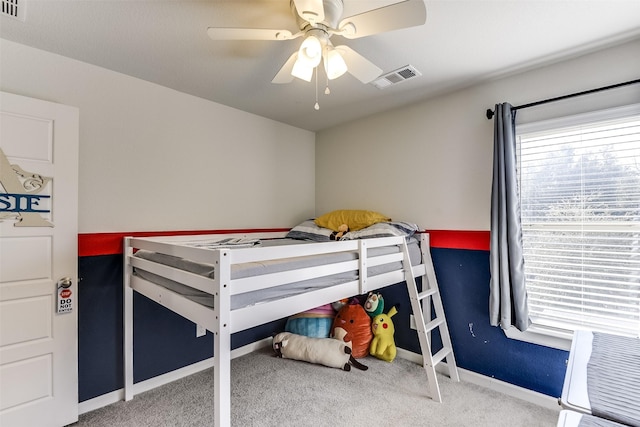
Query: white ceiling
[{"x": 463, "y": 42}]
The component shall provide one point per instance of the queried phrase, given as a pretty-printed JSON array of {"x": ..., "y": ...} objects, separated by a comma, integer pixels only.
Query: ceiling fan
[{"x": 318, "y": 20}]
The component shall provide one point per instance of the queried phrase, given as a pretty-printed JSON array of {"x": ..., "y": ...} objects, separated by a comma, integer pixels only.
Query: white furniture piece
[
  {"x": 569, "y": 418},
  {"x": 574, "y": 389},
  {"x": 255, "y": 274},
  {"x": 602, "y": 380}
]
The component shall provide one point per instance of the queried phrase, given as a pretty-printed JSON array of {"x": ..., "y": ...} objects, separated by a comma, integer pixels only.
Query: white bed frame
[
  {"x": 221, "y": 320},
  {"x": 574, "y": 390}
]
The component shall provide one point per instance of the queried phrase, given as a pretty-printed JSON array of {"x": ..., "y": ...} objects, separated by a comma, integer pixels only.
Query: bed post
[
  {"x": 222, "y": 342},
  {"x": 128, "y": 322},
  {"x": 362, "y": 266}
]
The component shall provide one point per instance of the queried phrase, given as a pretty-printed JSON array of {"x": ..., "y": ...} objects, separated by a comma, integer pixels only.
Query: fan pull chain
[
  {"x": 317, "y": 106},
  {"x": 326, "y": 90}
]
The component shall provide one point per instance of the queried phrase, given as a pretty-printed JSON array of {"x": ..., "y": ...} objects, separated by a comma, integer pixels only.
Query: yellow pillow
[{"x": 355, "y": 219}]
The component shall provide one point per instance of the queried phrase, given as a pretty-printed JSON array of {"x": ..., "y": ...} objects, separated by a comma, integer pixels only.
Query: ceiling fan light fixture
[
  {"x": 334, "y": 64},
  {"x": 318, "y": 21},
  {"x": 302, "y": 70},
  {"x": 310, "y": 52}
]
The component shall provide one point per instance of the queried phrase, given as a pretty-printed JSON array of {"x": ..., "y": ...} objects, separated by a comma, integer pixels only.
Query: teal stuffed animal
[
  {"x": 382, "y": 345},
  {"x": 374, "y": 304}
]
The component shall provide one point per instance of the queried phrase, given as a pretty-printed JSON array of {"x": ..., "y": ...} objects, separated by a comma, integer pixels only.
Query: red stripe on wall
[
  {"x": 450, "y": 239},
  {"x": 94, "y": 244}
]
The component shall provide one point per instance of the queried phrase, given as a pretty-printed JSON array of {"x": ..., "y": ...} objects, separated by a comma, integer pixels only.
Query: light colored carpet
[{"x": 267, "y": 391}]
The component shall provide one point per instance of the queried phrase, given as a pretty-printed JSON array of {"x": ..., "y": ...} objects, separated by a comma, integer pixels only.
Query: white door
[{"x": 38, "y": 260}]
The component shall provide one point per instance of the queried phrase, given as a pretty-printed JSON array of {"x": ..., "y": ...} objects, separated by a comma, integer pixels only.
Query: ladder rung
[
  {"x": 424, "y": 294},
  {"x": 433, "y": 324},
  {"x": 439, "y": 356}
]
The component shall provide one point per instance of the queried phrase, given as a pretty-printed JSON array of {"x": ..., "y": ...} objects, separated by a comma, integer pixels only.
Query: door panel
[
  {"x": 26, "y": 137},
  {"x": 35, "y": 374},
  {"x": 32, "y": 314},
  {"x": 14, "y": 266},
  {"x": 38, "y": 247}
]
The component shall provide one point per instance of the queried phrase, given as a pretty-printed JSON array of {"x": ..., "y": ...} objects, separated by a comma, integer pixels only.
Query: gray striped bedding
[
  {"x": 254, "y": 269},
  {"x": 613, "y": 378}
]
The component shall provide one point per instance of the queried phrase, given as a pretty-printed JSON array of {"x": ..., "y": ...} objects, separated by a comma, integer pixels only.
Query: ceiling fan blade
[
  {"x": 358, "y": 66},
  {"x": 409, "y": 13},
  {"x": 284, "y": 75},
  {"x": 250, "y": 34},
  {"x": 310, "y": 10}
]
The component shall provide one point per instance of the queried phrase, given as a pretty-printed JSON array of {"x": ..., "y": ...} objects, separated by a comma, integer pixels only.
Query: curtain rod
[{"x": 490, "y": 112}]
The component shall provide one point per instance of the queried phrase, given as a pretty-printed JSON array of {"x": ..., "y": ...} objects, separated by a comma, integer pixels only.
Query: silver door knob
[{"x": 65, "y": 282}]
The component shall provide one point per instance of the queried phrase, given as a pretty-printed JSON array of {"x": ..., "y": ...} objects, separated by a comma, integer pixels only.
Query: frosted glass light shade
[
  {"x": 302, "y": 70},
  {"x": 335, "y": 65},
  {"x": 310, "y": 51}
]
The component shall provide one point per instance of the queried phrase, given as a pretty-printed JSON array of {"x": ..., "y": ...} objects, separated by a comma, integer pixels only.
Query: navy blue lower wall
[
  {"x": 464, "y": 278},
  {"x": 100, "y": 367},
  {"x": 164, "y": 341}
]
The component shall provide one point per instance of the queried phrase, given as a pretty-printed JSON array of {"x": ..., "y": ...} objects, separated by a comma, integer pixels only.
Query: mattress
[
  {"x": 613, "y": 378},
  {"x": 252, "y": 269}
]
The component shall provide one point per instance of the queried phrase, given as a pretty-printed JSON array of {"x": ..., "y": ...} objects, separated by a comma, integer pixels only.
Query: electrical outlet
[
  {"x": 412, "y": 322},
  {"x": 200, "y": 331}
]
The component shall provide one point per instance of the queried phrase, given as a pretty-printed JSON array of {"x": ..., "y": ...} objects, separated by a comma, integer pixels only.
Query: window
[{"x": 579, "y": 183}]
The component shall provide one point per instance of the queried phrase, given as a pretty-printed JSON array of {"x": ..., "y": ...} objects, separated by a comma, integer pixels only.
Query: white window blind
[{"x": 580, "y": 204}]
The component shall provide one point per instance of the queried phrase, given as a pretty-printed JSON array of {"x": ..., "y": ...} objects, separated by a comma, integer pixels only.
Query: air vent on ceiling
[
  {"x": 14, "y": 9},
  {"x": 398, "y": 76}
]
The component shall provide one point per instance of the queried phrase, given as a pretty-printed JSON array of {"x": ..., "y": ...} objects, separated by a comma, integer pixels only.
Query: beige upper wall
[
  {"x": 430, "y": 163},
  {"x": 155, "y": 159},
  {"x": 152, "y": 158}
]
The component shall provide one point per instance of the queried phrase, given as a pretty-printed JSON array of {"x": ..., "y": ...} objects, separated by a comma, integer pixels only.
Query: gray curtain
[{"x": 508, "y": 294}]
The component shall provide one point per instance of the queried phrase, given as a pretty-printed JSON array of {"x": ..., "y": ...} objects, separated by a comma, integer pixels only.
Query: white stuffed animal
[{"x": 323, "y": 351}]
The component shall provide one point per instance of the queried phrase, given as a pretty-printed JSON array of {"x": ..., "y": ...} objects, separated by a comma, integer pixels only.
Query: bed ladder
[{"x": 421, "y": 305}]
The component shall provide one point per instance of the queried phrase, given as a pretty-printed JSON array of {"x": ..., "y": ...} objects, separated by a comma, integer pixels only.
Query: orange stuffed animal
[{"x": 353, "y": 324}]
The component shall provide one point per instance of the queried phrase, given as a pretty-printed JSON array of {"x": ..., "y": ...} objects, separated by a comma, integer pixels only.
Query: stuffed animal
[
  {"x": 341, "y": 335},
  {"x": 383, "y": 346},
  {"x": 337, "y": 305},
  {"x": 342, "y": 230},
  {"x": 374, "y": 304},
  {"x": 322, "y": 351},
  {"x": 315, "y": 323},
  {"x": 354, "y": 320}
]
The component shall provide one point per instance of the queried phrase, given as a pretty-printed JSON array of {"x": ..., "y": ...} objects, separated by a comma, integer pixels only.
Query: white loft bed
[{"x": 350, "y": 271}]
